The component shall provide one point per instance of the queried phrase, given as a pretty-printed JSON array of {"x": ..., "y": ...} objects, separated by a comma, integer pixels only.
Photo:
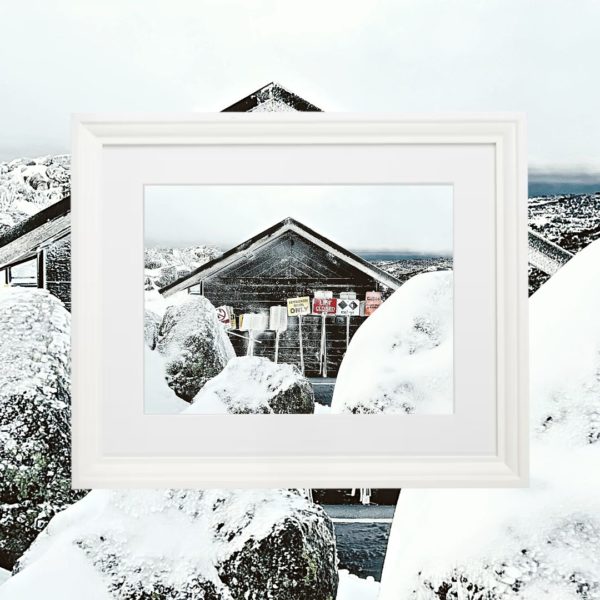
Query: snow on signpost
[
  {"x": 296, "y": 307},
  {"x": 323, "y": 304}
]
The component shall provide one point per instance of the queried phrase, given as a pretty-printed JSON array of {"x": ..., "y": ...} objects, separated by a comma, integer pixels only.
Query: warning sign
[
  {"x": 324, "y": 306},
  {"x": 298, "y": 306},
  {"x": 373, "y": 301},
  {"x": 225, "y": 316},
  {"x": 348, "y": 305}
]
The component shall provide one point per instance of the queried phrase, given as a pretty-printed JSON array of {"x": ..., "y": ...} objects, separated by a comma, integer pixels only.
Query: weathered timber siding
[
  {"x": 290, "y": 266},
  {"x": 58, "y": 270}
]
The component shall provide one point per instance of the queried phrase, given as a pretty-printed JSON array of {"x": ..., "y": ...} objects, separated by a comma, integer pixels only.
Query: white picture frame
[{"x": 483, "y": 443}]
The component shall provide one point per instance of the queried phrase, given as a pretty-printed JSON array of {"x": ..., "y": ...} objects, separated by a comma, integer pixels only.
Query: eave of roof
[
  {"x": 23, "y": 239},
  {"x": 267, "y": 236}
]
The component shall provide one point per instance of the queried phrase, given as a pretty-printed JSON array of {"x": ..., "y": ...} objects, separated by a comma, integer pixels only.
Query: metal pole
[
  {"x": 301, "y": 344},
  {"x": 347, "y": 331},
  {"x": 323, "y": 346},
  {"x": 276, "y": 346}
]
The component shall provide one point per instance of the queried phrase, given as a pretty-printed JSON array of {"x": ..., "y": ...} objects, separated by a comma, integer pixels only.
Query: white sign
[
  {"x": 254, "y": 322},
  {"x": 323, "y": 294},
  {"x": 348, "y": 305},
  {"x": 278, "y": 318}
]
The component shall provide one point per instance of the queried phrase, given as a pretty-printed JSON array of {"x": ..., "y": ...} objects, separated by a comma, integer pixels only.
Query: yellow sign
[{"x": 298, "y": 306}]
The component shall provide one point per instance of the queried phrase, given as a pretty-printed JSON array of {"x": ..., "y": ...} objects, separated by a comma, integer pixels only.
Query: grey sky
[
  {"x": 386, "y": 217},
  {"x": 64, "y": 56}
]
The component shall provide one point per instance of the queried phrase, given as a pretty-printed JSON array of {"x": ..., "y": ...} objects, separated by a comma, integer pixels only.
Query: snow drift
[
  {"x": 534, "y": 543},
  {"x": 252, "y": 384},
  {"x": 400, "y": 359},
  {"x": 194, "y": 345},
  {"x": 34, "y": 416},
  {"x": 184, "y": 544}
]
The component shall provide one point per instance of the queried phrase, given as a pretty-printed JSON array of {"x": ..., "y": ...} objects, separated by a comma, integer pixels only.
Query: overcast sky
[
  {"x": 386, "y": 217},
  {"x": 64, "y": 56}
]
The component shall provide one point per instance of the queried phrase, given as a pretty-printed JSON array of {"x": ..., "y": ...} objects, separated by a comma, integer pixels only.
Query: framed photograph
[{"x": 299, "y": 300}]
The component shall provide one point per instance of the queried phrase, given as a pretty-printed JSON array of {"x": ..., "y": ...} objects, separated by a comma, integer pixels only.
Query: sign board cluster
[{"x": 323, "y": 304}]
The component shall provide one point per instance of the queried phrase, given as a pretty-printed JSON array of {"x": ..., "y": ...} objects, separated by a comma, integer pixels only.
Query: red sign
[
  {"x": 324, "y": 306},
  {"x": 373, "y": 301}
]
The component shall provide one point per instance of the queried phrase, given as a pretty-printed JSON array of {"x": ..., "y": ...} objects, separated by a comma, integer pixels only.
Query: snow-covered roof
[
  {"x": 272, "y": 98},
  {"x": 22, "y": 241},
  {"x": 267, "y": 236}
]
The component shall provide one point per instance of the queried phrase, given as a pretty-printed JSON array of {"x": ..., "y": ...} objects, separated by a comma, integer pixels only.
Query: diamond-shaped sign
[{"x": 347, "y": 307}]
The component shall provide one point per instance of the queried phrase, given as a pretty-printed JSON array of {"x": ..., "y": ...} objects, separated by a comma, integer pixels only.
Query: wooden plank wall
[
  {"x": 289, "y": 343},
  {"x": 58, "y": 270},
  {"x": 289, "y": 267}
]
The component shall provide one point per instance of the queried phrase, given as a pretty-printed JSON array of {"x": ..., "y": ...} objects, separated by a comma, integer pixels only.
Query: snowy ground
[{"x": 352, "y": 587}]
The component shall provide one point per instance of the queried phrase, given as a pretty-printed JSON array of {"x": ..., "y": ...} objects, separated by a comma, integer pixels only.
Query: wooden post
[
  {"x": 347, "y": 331},
  {"x": 301, "y": 344},
  {"x": 276, "y": 345},
  {"x": 250, "y": 350}
]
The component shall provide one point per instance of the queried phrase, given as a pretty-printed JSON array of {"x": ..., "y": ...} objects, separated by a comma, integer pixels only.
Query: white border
[{"x": 485, "y": 443}]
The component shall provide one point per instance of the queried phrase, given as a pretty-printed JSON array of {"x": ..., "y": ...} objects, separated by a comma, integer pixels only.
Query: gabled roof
[
  {"x": 270, "y": 97},
  {"x": 266, "y": 237},
  {"x": 22, "y": 241}
]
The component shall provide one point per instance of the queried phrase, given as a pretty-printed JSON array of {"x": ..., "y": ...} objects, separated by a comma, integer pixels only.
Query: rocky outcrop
[
  {"x": 194, "y": 345},
  {"x": 184, "y": 545},
  {"x": 34, "y": 417},
  {"x": 255, "y": 385}
]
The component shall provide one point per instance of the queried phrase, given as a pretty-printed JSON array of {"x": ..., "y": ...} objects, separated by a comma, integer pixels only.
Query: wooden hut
[
  {"x": 288, "y": 260},
  {"x": 37, "y": 252}
]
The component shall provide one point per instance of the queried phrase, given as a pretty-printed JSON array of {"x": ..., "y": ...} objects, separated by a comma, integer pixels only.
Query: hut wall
[
  {"x": 58, "y": 270},
  {"x": 287, "y": 267}
]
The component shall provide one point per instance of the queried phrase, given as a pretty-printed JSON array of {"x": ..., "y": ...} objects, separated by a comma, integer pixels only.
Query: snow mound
[
  {"x": 522, "y": 544},
  {"x": 534, "y": 543},
  {"x": 30, "y": 185},
  {"x": 400, "y": 359},
  {"x": 352, "y": 587},
  {"x": 252, "y": 384},
  {"x": 159, "y": 398},
  {"x": 34, "y": 416},
  {"x": 184, "y": 544},
  {"x": 194, "y": 344},
  {"x": 565, "y": 353}
]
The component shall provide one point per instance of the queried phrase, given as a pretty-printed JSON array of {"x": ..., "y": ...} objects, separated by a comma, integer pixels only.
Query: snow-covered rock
[
  {"x": 564, "y": 317},
  {"x": 159, "y": 398},
  {"x": 194, "y": 344},
  {"x": 163, "y": 265},
  {"x": 30, "y": 185},
  {"x": 151, "y": 326},
  {"x": 252, "y": 384},
  {"x": 400, "y": 359},
  {"x": 184, "y": 545},
  {"x": 523, "y": 544},
  {"x": 34, "y": 416}
]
